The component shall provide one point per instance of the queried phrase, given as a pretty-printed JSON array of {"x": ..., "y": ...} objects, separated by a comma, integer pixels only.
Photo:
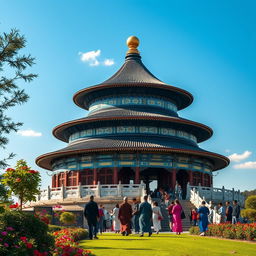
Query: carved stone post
[
  {"x": 97, "y": 192},
  {"x": 119, "y": 189},
  {"x": 62, "y": 189},
  {"x": 79, "y": 188},
  {"x": 223, "y": 193},
  {"x": 48, "y": 193},
  {"x": 188, "y": 191}
]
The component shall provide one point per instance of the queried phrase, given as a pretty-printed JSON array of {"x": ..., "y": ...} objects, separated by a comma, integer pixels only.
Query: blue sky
[{"x": 204, "y": 47}]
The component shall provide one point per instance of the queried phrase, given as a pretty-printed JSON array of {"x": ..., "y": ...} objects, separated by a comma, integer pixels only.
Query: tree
[
  {"x": 12, "y": 67},
  {"x": 250, "y": 208},
  {"x": 67, "y": 218},
  {"x": 22, "y": 182}
]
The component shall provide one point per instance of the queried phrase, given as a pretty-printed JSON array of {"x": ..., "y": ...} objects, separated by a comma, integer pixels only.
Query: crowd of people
[
  {"x": 140, "y": 217},
  {"x": 204, "y": 215}
]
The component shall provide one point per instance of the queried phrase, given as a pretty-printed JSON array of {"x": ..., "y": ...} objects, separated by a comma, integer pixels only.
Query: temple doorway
[
  {"x": 126, "y": 175},
  {"x": 182, "y": 180},
  {"x": 155, "y": 178}
]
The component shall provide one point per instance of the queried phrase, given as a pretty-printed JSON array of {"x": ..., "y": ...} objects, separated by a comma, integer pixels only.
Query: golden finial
[{"x": 132, "y": 43}]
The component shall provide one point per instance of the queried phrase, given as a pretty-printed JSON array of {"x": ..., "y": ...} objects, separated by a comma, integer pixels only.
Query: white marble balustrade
[{"x": 99, "y": 191}]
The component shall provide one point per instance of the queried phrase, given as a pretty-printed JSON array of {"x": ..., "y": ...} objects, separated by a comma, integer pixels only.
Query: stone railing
[
  {"x": 196, "y": 200},
  {"x": 216, "y": 195},
  {"x": 99, "y": 191}
]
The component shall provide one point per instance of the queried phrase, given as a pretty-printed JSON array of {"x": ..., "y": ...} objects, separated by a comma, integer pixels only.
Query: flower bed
[
  {"x": 231, "y": 231},
  {"x": 66, "y": 242}
]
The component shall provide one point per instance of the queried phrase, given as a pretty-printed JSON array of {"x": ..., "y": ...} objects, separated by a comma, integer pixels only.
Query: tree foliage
[
  {"x": 22, "y": 182},
  {"x": 12, "y": 68},
  {"x": 67, "y": 218},
  {"x": 250, "y": 208},
  {"x": 250, "y": 202}
]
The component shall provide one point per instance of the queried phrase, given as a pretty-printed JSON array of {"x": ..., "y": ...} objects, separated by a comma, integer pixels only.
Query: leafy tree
[
  {"x": 22, "y": 182},
  {"x": 12, "y": 67},
  {"x": 250, "y": 208}
]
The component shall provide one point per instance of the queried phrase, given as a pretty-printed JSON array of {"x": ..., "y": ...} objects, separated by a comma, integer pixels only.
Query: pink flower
[
  {"x": 10, "y": 228},
  {"x": 4, "y": 233},
  {"x": 6, "y": 245}
]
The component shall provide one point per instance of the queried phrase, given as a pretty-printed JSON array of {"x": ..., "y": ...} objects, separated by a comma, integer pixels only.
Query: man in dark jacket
[
  {"x": 235, "y": 212},
  {"x": 229, "y": 210},
  {"x": 91, "y": 213}
]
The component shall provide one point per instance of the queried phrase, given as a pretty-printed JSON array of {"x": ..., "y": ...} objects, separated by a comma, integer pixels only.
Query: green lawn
[{"x": 166, "y": 245}]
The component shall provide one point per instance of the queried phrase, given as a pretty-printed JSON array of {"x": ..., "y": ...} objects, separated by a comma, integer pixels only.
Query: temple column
[
  {"x": 79, "y": 177},
  {"x": 190, "y": 178},
  {"x": 95, "y": 176},
  {"x": 57, "y": 180},
  {"x": 115, "y": 176},
  {"x": 137, "y": 175},
  {"x": 174, "y": 171},
  {"x": 65, "y": 179},
  {"x": 202, "y": 179},
  {"x": 53, "y": 181}
]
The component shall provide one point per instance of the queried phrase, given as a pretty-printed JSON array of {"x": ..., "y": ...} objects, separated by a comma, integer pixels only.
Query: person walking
[
  {"x": 116, "y": 221},
  {"x": 169, "y": 209},
  {"x": 179, "y": 192},
  {"x": 229, "y": 211},
  {"x": 203, "y": 212},
  {"x": 135, "y": 214},
  {"x": 157, "y": 217},
  {"x": 176, "y": 214},
  {"x": 194, "y": 216},
  {"x": 101, "y": 219},
  {"x": 125, "y": 215},
  {"x": 235, "y": 212},
  {"x": 221, "y": 212},
  {"x": 91, "y": 213},
  {"x": 145, "y": 212}
]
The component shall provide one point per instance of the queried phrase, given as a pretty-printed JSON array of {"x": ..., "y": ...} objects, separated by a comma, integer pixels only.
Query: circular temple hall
[{"x": 133, "y": 134}]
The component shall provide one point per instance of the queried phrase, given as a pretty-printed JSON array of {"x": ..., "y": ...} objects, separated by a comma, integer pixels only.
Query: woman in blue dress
[{"x": 203, "y": 212}]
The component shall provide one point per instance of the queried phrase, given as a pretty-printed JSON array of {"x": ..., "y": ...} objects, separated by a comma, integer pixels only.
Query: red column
[
  {"x": 137, "y": 175},
  {"x": 65, "y": 179},
  {"x": 202, "y": 179},
  {"x": 53, "y": 181},
  {"x": 94, "y": 176},
  {"x": 115, "y": 176},
  {"x": 79, "y": 177},
  {"x": 57, "y": 180},
  {"x": 174, "y": 178},
  {"x": 190, "y": 179}
]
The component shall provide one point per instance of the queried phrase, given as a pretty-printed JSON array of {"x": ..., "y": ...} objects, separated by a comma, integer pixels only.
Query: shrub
[
  {"x": 250, "y": 214},
  {"x": 231, "y": 231},
  {"x": 53, "y": 228},
  {"x": 67, "y": 218},
  {"x": 66, "y": 242},
  {"x": 23, "y": 231},
  {"x": 250, "y": 202}
]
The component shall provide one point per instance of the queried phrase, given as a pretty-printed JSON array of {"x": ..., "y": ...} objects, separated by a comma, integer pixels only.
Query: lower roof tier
[
  {"x": 122, "y": 117},
  {"x": 133, "y": 144}
]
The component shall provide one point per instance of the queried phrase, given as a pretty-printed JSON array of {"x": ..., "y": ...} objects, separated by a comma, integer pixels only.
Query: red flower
[
  {"x": 33, "y": 172},
  {"x": 13, "y": 206},
  {"x": 10, "y": 170},
  {"x": 29, "y": 245},
  {"x": 18, "y": 180}
]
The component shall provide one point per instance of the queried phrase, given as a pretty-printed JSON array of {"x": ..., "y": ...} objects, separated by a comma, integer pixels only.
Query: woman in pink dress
[{"x": 176, "y": 214}]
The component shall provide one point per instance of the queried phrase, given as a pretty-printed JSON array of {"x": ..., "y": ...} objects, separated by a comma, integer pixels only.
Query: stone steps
[{"x": 186, "y": 205}]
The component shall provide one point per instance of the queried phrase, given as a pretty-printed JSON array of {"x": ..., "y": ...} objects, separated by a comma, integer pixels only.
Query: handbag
[
  {"x": 160, "y": 217},
  {"x": 182, "y": 215}
]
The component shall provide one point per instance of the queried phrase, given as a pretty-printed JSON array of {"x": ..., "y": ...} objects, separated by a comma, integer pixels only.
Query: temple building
[{"x": 132, "y": 135}]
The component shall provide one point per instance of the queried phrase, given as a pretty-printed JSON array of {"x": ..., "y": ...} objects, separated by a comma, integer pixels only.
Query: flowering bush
[
  {"x": 66, "y": 242},
  {"x": 231, "y": 231},
  {"x": 43, "y": 216},
  {"x": 23, "y": 234},
  {"x": 22, "y": 182}
]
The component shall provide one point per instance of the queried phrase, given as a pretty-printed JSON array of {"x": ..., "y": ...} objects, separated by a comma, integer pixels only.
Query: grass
[{"x": 166, "y": 245}]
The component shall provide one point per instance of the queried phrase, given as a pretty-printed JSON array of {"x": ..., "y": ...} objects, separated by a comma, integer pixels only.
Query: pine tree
[{"x": 12, "y": 68}]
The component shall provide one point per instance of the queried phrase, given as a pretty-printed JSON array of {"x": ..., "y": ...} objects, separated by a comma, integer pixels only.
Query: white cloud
[
  {"x": 90, "y": 57},
  {"x": 29, "y": 133},
  {"x": 93, "y": 58},
  {"x": 246, "y": 165},
  {"x": 239, "y": 157},
  {"x": 108, "y": 62}
]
